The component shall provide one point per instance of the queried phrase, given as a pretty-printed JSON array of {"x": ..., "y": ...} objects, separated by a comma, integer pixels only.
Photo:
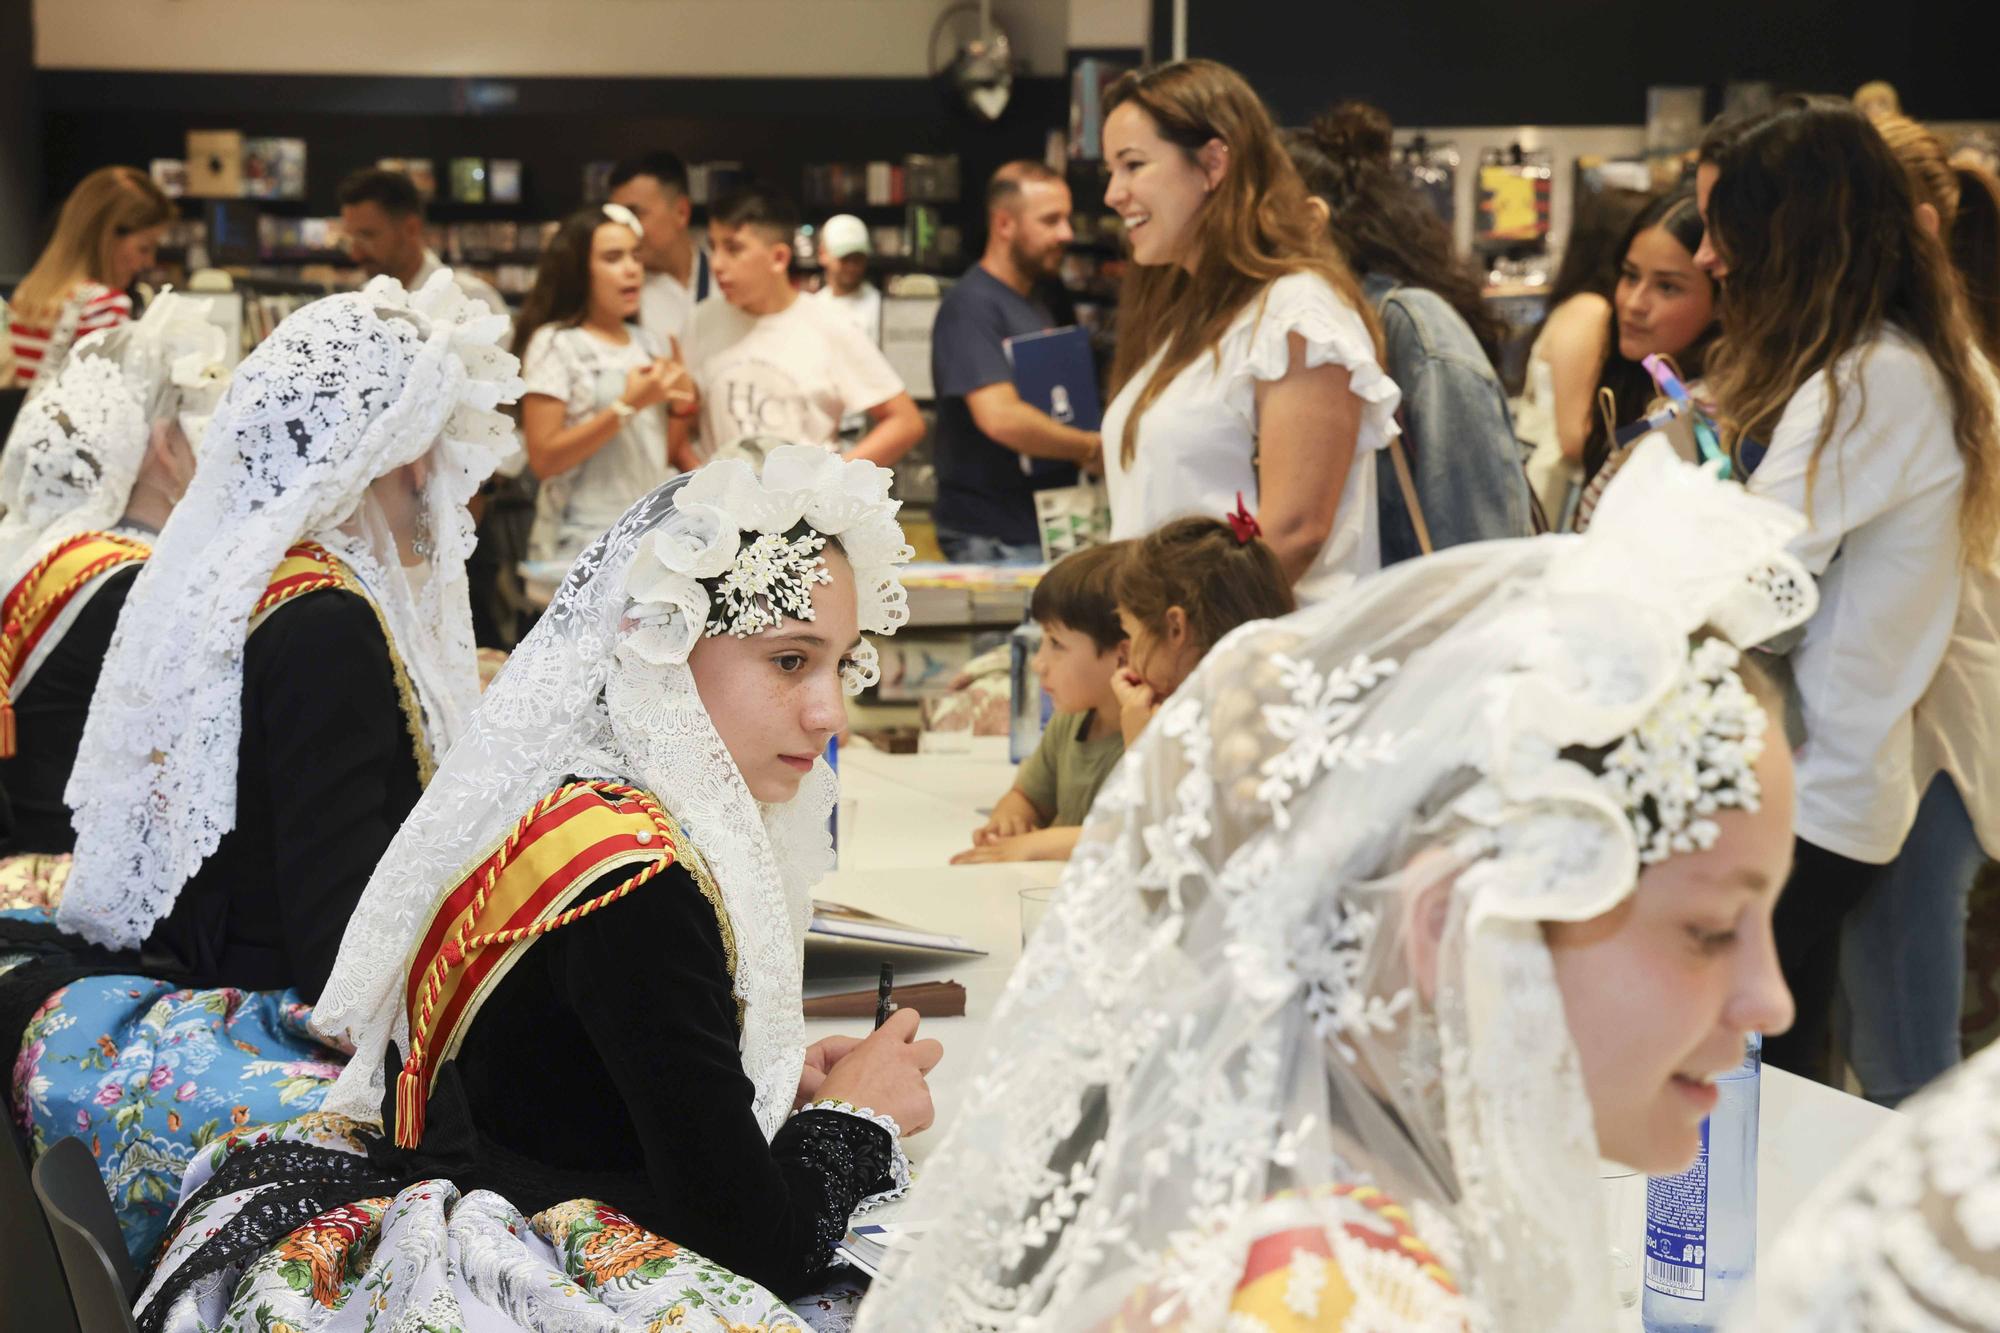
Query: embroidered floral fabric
[
  {"x": 424, "y": 1256},
  {"x": 1220, "y": 1007},
  {"x": 148, "y": 1075}
]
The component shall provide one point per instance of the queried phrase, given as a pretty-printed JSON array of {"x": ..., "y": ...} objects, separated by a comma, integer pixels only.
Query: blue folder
[{"x": 1054, "y": 370}]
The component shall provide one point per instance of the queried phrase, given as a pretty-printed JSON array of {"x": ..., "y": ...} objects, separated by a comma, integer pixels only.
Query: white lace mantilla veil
[
  {"x": 1219, "y": 1005},
  {"x": 600, "y": 688},
  {"x": 1903, "y": 1236},
  {"x": 76, "y": 448},
  {"x": 344, "y": 391}
]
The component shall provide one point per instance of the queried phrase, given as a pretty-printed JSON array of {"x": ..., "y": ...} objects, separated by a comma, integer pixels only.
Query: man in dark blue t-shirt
[{"x": 986, "y": 435}]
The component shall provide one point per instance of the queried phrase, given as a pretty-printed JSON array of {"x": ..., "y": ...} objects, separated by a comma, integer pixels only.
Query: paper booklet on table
[
  {"x": 875, "y": 1232},
  {"x": 839, "y": 923}
]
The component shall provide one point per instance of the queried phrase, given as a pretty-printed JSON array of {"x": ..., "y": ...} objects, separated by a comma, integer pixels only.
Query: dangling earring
[{"x": 422, "y": 543}]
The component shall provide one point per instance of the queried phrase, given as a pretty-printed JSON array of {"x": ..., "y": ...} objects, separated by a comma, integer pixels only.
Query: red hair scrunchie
[{"x": 1243, "y": 523}]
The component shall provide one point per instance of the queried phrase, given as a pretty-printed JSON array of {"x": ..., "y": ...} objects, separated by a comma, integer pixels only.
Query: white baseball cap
[{"x": 844, "y": 235}]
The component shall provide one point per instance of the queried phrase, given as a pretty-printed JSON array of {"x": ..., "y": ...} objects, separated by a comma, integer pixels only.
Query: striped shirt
[{"x": 95, "y": 307}]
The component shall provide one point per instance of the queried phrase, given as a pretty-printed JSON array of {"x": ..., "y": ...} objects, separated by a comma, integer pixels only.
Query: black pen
[{"x": 882, "y": 989}]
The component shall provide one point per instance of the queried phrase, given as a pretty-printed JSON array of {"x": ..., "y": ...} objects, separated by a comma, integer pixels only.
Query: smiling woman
[
  {"x": 597, "y": 1056},
  {"x": 1247, "y": 361}
]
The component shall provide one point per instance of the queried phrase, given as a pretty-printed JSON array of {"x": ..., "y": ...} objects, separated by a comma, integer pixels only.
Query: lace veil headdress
[
  {"x": 1903, "y": 1236},
  {"x": 1221, "y": 1004},
  {"x": 600, "y": 688},
  {"x": 345, "y": 391},
  {"x": 76, "y": 448}
]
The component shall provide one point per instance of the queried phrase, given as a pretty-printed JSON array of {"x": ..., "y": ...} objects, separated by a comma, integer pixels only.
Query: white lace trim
[{"x": 899, "y": 1161}]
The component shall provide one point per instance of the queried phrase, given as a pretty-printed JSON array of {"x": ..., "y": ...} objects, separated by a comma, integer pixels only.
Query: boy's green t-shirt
[{"x": 1065, "y": 770}]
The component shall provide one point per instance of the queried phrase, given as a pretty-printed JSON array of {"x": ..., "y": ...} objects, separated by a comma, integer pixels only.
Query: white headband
[{"x": 625, "y": 217}]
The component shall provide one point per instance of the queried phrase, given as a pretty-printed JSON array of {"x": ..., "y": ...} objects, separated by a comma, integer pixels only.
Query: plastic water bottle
[
  {"x": 1701, "y": 1225},
  {"x": 1028, "y": 706},
  {"x": 833, "y": 819}
]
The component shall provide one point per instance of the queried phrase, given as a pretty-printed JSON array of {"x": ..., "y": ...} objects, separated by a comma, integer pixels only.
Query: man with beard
[
  {"x": 986, "y": 434},
  {"x": 382, "y": 216}
]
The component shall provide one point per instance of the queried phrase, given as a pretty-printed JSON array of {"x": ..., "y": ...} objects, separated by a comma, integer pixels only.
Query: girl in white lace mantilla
[
  {"x": 560, "y": 1108},
  {"x": 1406, "y": 909},
  {"x": 92, "y": 468},
  {"x": 292, "y": 652},
  {"x": 360, "y": 428}
]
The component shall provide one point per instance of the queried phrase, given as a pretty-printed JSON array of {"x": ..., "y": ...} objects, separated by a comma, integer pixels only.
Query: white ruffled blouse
[{"x": 1197, "y": 442}]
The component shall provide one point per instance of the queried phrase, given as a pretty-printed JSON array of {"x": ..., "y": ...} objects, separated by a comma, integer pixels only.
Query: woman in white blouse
[
  {"x": 600, "y": 388},
  {"x": 1246, "y": 360}
]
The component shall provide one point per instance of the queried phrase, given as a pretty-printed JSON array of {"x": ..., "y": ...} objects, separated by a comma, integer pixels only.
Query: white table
[{"x": 914, "y": 810}]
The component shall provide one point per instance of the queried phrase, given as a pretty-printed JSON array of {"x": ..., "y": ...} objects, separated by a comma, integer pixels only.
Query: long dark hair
[
  {"x": 1255, "y": 228},
  {"x": 1595, "y": 246},
  {"x": 1631, "y": 386},
  {"x": 561, "y": 294},
  {"x": 1815, "y": 218},
  {"x": 1378, "y": 219}
]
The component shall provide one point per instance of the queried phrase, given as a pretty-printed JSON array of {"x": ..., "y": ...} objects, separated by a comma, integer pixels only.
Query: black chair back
[
  {"x": 33, "y": 1292},
  {"x": 102, "y": 1282}
]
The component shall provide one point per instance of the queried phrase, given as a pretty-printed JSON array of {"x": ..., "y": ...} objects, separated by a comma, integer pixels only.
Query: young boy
[
  {"x": 1040, "y": 816},
  {"x": 770, "y": 363}
]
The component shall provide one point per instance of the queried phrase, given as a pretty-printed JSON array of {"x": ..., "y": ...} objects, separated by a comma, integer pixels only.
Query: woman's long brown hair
[
  {"x": 561, "y": 294},
  {"x": 1255, "y": 228},
  {"x": 1816, "y": 221}
]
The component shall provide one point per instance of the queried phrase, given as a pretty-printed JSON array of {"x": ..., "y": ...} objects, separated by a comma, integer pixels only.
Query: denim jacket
[{"x": 1456, "y": 431}]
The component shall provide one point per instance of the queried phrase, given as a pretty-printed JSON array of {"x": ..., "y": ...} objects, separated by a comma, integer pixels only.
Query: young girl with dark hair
[
  {"x": 1180, "y": 589},
  {"x": 1247, "y": 362},
  {"x": 1662, "y": 304},
  {"x": 1559, "y": 401},
  {"x": 1902, "y": 959},
  {"x": 1845, "y": 347},
  {"x": 1439, "y": 338},
  {"x": 600, "y": 386}
]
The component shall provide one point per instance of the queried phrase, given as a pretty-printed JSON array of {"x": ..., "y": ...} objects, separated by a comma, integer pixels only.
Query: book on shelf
[{"x": 838, "y": 923}]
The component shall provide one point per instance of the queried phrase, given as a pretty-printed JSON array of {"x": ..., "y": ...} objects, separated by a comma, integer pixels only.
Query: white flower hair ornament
[
  {"x": 1694, "y": 756},
  {"x": 753, "y": 548}
]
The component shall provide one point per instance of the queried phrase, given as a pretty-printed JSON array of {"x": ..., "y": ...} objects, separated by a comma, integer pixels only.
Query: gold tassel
[
  {"x": 6, "y": 730},
  {"x": 410, "y": 1105}
]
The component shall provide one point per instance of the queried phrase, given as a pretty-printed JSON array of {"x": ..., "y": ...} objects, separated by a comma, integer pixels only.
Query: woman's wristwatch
[{"x": 623, "y": 410}]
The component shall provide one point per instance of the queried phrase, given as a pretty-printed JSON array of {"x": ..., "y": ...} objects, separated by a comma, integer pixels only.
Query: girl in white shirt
[
  {"x": 594, "y": 417},
  {"x": 1902, "y": 958},
  {"x": 1845, "y": 347},
  {"x": 1247, "y": 362}
]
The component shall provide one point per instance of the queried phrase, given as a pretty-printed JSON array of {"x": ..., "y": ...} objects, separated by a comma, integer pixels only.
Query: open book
[{"x": 836, "y": 922}]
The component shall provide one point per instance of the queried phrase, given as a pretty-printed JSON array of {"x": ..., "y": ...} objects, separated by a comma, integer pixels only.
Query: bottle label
[{"x": 1677, "y": 1230}]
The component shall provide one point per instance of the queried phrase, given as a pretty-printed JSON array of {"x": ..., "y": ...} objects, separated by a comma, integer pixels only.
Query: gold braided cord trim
[
  {"x": 412, "y": 1084},
  {"x": 340, "y": 576},
  {"x": 14, "y": 633}
]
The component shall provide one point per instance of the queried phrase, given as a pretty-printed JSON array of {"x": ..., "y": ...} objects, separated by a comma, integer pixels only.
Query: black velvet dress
[
  {"x": 326, "y": 773},
  {"x": 48, "y": 722}
]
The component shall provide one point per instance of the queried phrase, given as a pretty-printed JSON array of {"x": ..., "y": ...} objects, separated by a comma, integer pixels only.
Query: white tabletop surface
[{"x": 905, "y": 814}]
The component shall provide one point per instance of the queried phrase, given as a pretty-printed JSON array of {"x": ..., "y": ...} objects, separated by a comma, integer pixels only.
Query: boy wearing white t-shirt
[{"x": 770, "y": 363}]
